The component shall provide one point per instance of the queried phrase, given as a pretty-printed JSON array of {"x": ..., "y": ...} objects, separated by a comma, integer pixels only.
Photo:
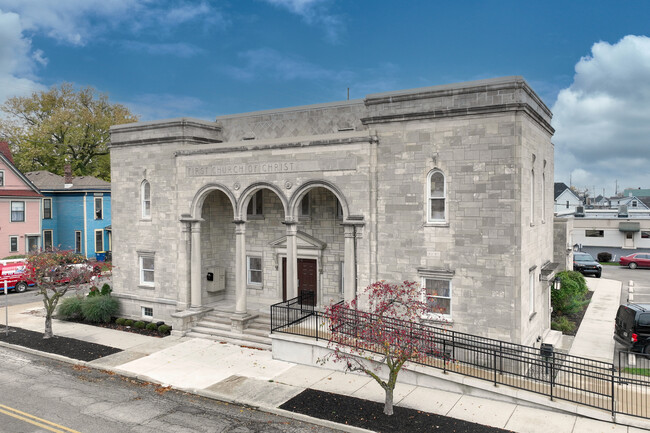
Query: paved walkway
[{"x": 253, "y": 377}]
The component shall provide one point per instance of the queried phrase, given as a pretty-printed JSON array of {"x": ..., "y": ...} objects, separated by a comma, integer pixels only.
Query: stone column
[
  {"x": 292, "y": 259},
  {"x": 195, "y": 265},
  {"x": 184, "y": 263},
  {"x": 240, "y": 267},
  {"x": 349, "y": 264}
]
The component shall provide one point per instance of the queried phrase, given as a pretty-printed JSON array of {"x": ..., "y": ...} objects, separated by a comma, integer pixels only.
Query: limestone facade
[{"x": 228, "y": 198}]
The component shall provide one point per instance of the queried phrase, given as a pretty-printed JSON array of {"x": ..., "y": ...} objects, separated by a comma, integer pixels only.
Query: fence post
[
  {"x": 613, "y": 393},
  {"x": 444, "y": 354},
  {"x": 501, "y": 357},
  {"x": 494, "y": 367},
  {"x": 317, "y": 324},
  {"x": 552, "y": 373}
]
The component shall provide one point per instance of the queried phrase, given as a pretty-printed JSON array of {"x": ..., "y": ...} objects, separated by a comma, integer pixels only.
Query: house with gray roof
[{"x": 76, "y": 212}]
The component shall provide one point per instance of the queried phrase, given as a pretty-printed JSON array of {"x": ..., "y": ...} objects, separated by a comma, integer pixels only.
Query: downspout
[{"x": 85, "y": 226}]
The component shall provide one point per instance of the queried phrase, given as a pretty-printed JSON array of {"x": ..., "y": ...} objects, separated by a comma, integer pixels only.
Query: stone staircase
[{"x": 217, "y": 326}]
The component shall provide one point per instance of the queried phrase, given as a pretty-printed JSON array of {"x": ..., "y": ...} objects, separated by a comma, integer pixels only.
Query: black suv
[
  {"x": 632, "y": 328},
  {"x": 585, "y": 264}
]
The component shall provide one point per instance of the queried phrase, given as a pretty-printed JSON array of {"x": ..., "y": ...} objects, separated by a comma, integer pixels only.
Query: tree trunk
[
  {"x": 388, "y": 405},
  {"x": 48, "y": 327}
]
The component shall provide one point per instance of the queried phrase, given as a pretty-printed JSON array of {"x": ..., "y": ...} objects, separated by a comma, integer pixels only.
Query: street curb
[{"x": 200, "y": 392}]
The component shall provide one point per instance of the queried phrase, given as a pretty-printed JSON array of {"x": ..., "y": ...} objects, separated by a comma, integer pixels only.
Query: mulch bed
[
  {"x": 370, "y": 415},
  {"x": 576, "y": 317},
  {"x": 69, "y": 347},
  {"x": 113, "y": 325}
]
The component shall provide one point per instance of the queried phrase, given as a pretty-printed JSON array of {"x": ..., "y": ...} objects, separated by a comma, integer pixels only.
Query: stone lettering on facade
[{"x": 270, "y": 167}]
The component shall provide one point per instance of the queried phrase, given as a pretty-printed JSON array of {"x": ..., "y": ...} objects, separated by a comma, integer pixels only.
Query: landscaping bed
[
  {"x": 574, "y": 318},
  {"x": 370, "y": 415},
  {"x": 69, "y": 347},
  {"x": 126, "y": 328}
]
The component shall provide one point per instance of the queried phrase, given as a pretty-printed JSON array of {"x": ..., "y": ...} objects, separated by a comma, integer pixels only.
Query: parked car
[
  {"x": 586, "y": 265},
  {"x": 632, "y": 328},
  {"x": 636, "y": 260},
  {"x": 67, "y": 273},
  {"x": 13, "y": 272}
]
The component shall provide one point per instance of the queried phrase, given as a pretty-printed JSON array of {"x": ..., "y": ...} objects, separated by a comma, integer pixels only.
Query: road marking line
[{"x": 35, "y": 420}]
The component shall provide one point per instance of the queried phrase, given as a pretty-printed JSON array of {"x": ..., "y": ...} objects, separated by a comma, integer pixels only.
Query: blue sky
[{"x": 588, "y": 60}]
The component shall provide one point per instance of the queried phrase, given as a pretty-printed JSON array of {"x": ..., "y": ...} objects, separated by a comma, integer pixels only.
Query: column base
[{"x": 239, "y": 321}]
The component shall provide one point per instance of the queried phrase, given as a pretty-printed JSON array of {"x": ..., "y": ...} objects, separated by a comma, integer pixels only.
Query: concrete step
[
  {"x": 247, "y": 339},
  {"x": 237, "y": 341},
  {"x": 214, "y": 325}
]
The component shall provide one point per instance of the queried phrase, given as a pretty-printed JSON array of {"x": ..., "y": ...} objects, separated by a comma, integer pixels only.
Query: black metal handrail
[{"x": 558, "y": 375}]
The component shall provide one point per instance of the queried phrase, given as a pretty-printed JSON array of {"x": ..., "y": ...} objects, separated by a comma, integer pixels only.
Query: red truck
[{"x": 13, "y": 272}]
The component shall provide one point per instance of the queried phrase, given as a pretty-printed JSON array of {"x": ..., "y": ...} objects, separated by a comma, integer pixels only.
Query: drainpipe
[{"x": 85, "y": 226}]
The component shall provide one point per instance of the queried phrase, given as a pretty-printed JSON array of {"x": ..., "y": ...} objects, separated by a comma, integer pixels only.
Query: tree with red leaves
[
  {"x": 55, "y": 272},
  {"x": 388, "y": 327}
]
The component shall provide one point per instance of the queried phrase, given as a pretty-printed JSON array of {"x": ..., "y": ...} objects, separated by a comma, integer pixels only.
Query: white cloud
[
  {"x": 314, "y": 12},
  {"x": 602, "y": 120},
  {"x": 17, "y": 63}
]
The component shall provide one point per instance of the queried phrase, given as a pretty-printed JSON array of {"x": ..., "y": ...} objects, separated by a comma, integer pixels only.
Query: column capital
[
  {"x": 196, "y": 225},
  {"x": 289, "y": 223}
]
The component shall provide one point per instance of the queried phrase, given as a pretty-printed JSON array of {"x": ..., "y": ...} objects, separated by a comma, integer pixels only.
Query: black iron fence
[{"x": 539, "y": 370}]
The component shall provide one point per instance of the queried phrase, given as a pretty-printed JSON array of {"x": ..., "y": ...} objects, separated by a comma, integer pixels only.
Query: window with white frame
[
  {"x": 99, "y": 240},
  {"x": 77, "y": 241},
  {"x": 17, "y": 211},
  {"x": 145, "y": 193},
  {"x": 305, "y": 206},
  {"x": 47, "y": 239},
  {"x": 146, "y": 269},
  {"x": 13, "y": 244},
  {"x": 436, "y": 197},
  {"x": 255, "y": 205},
  {"x": 543, "y": 197},
  {"x": 2, "y": 178},
  {"x": 254, "y": 270},
  {"x": 531, "y": 292},
  {"x": 437, "y": 296},
  {"x": 532, "y": 196},
  {"x": 47, "y": 208},
  {"x": 147, "y": 312},
  {"x": 99, "y": 208}
]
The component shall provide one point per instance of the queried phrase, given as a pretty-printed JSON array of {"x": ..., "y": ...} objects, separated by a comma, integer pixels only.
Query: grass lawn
[{"x": 637, "y": 371}]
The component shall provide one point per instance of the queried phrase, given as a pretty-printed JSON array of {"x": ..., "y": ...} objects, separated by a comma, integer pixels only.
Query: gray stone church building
[{"x": 450, "y": 186}]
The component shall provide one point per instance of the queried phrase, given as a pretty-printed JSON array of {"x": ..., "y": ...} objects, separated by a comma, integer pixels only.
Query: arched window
[
  {"x": 436, "y": 197},
  {"x": 532, "y": 197},
  {"x": 145, "y": 194}
]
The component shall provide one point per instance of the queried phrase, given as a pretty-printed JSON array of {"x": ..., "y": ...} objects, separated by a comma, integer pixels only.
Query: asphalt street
[
  {"x": 640, "y": 277},
  {"x": 40, "y": 395}
]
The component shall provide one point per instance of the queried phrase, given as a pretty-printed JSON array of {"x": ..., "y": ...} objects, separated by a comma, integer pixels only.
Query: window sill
[
  {"x": 255, "y": 286},
  {"x": 146, "y": 219},
  {"x": 146, "y": 286},
  {"x": 434, "y": 224},
  {"x": 440, "y": 320}
]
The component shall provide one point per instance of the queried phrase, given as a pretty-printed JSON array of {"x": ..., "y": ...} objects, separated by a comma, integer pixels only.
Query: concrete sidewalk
[{"x": 252, "y": 377}]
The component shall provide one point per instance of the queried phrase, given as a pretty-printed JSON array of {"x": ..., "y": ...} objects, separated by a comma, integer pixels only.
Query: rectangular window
[
  {"x": 531, "y": 293},
  {"x": 2, "y": 178},
  {"x": 147, "y": 312},
  {"x": 99, "y": 240},
  {"x": 17, "y": 211},
  {"x": 77, "y": 242},
  {"x": 147, "y": 269},
  {"x": 13, "y": 244},
  {"x": 47, "y": 239},
  {"x": 99, "y": 208},
  {"x": 47, "y": 208},
  {"x": 255, "y": 206},
  {"x": 645, "y": 234},
  {"x": 438, "y": 296},
  {"x": 594, "y": 233},
  {"x": 254, "y": 270},
  {"x": 436, "y": 196}
]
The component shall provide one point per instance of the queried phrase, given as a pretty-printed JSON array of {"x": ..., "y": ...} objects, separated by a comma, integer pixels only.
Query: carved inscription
[{"x": 271, "y": 167}]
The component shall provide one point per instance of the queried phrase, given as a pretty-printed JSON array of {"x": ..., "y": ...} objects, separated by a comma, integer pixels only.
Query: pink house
[{"x": 20, "y": 209}]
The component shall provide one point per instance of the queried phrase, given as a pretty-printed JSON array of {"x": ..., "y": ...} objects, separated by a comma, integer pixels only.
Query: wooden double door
[{"x": 307, "y": 277}]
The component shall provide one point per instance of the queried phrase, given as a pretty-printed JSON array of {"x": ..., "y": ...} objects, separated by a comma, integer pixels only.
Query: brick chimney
[{"x": 68, "y": 175}]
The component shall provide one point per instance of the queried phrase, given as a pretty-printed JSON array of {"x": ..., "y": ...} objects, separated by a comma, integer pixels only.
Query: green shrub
[
  {"x": 139, "y": 325},
  {"x": 604, "y": 257},
  {"x": 70, "y": 308},
  {"x": 128, "y": 322},
  {"x": 106, "y": 289},
  {"x": 120, "y": 321},
  {"x": 563, "y": 324},
  {"x": 94, "y": 291},
  {"x": 571, "y": 295},
  {"x": 152, "y": 327},
  {"x": 164, "y": 329},
  {"x": 99, "y": 308}
]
